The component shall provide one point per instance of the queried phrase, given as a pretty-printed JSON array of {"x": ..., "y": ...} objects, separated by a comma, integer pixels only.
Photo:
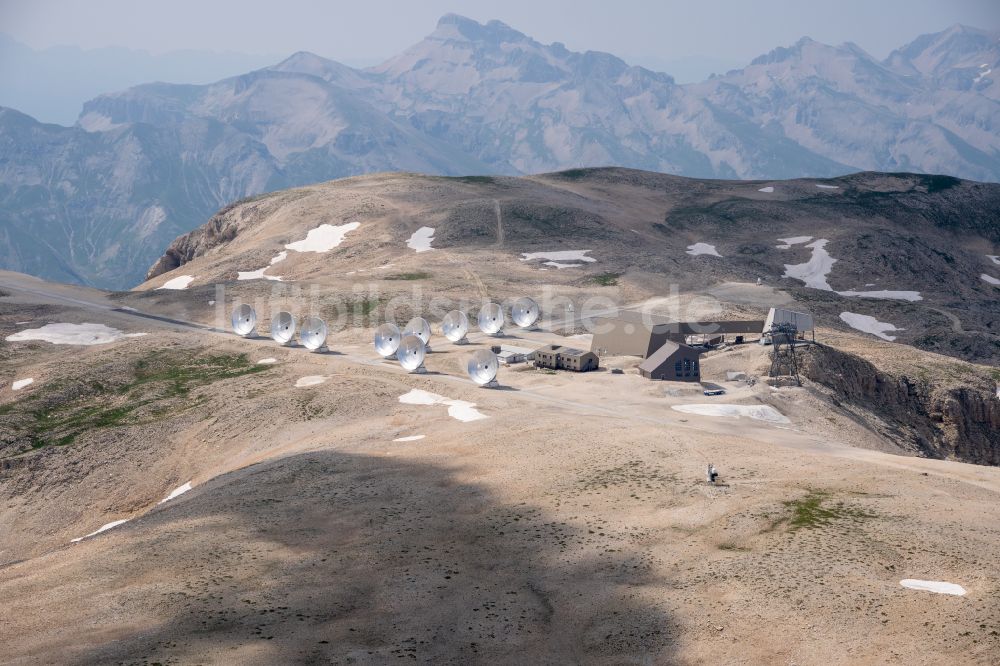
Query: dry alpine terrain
[{"x": 288, "y": 507}]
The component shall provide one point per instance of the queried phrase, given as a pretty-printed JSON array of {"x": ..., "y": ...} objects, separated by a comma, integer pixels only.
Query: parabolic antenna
[
  {"x": 313, "y": 334},
  {"x": 482, "y": 368},
  {"x": 419, "y": 327},
  {"x": 455, "y": 325},
  {"x": 387, "y": 339},
  {"x": 411, "y": 354},
  {"x": 491, "y": 319},
  {"x": 283, "y": 328},
  {"x": 524, "y": 312},
  {"x": 244, "y": 321}
]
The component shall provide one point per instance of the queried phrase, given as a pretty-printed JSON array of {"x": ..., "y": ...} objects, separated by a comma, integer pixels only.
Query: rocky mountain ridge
[{"x": 97, "y": 202}]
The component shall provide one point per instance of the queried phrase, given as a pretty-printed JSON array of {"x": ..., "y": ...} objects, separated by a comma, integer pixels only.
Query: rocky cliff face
[{"x": 952, "y": 417}]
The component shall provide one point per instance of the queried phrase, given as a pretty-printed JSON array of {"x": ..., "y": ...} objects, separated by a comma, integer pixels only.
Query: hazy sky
[{"x": 365, "y": 31}]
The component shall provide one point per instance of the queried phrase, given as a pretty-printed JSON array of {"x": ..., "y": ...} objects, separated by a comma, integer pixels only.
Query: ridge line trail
[{"x": 962, "y": 472}]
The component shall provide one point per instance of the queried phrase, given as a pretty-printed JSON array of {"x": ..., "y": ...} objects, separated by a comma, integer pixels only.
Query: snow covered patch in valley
[
  {"x": 177, "y": 492},
  {"x": 813, "y": 273},
  {"x": 102, "y": 528},
  {"x": 868, "y": 324},
  {"x": 787, "y": 243},
  {"x": 995, "y": 258},
  {"x": 886, "y": 295},
  {"x": 558, "y": 258},
  {"x": 259, "y": 273},
  {"x": 989, "y": 278},
  {"x": 310, "y": 380},
  {"x": 457, "y": 409},
  {"x": 827, "y": 187},
  {"x": 411, "y": 438},
  {"x": 933, "y": 586},
  {"x": 323, "y": 238},
  {"x": 21, "y": 383},
  {"x": 757, "y": 412},
  {"x": 73, "y": 334},
  {"x": 702, "y": 248},
  {"x": 767, "y": 190},
  {"x": 267, "y": 361},
  {"x": 421, "y": 239},
  {"x": 181, "y": 282}
]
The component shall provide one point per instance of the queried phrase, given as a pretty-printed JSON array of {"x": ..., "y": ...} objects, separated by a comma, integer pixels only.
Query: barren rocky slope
[{"x": 350, "y": 521}]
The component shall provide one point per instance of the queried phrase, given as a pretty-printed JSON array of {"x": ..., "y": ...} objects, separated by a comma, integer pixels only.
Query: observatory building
[
  {"x": 638, "y": 334},
  {"x": 558, "y": 357},
  {"x": 673, "y": 361}
]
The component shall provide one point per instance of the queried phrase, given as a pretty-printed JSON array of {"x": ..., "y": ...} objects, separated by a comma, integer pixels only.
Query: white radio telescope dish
[
  {"x": 387, "y": 339},
  {"x": 482, "y": 368},
  {"x": 491, "y": 319},
  {"x": 313, "y": 334},
  {"x": 455, "y": 326},
  {"x": 244, "y": 321},
  {"x": 419, "y": 327},
  {"x": 283, "y": 328},
  {"x": 411, "y": 354},
  {"x": 524, "y": 312}
]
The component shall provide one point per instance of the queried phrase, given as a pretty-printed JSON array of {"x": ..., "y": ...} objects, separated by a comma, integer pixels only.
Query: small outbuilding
[
  {"x": 557, "y": 357},
  {"x": 672, "y": 362}
]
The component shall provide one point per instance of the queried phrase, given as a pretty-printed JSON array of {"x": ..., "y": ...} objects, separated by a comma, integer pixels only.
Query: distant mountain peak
[{"x": 455, "y": 26}]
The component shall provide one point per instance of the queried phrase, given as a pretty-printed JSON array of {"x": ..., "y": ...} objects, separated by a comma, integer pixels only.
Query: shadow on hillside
[{"x": 328, "y": 557}]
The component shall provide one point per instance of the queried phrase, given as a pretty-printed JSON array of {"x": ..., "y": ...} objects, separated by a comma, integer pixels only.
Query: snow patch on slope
[
  {"x": 21, "y": 383},
  {"x": 867, "y": 324},
  {"x": 181, "y": 282},
  {"x": 702, "y": 248},
  {"x": 421, "y": 239},
  {"x": 72, "y": 334},
  {"x": 937, "y": 586},
  {"x": 758, "y": 412},
  {"x": 323, "y": 238},
  {"x": 457, "y": 409},
  {"x": 102, "y": 528}
]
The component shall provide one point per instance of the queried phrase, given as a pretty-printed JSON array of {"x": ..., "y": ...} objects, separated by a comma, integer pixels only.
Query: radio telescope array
[
  {"x": 455, "y": 327},
  {"x": 409, "y": 346}
]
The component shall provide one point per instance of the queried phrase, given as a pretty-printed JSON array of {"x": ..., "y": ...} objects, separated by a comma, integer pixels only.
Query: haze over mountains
[{"x": 98, "y": 202}]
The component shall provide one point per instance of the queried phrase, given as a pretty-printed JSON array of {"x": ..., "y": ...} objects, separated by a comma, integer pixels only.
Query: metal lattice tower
[{"x": 783, "y": 360}]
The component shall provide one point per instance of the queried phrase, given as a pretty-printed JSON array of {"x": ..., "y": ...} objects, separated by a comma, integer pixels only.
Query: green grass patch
[
  {"x": 817, "y": 510},
  {"x": 606, "y": 279},
  {"x": 419, "y": 275},
  {"x": 478, "y": 180},
  {"x": 158, "y": 386}
]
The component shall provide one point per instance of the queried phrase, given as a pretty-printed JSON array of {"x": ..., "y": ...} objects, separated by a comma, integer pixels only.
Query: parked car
[{"x": 714, "y": 391}]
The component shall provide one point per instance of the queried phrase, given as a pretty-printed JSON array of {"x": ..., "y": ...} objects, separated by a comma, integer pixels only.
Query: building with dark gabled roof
[{"x": 672, "y": 362}]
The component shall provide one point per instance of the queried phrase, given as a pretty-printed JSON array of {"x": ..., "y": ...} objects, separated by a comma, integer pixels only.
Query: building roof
[{"x": 661, "y": 355}]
